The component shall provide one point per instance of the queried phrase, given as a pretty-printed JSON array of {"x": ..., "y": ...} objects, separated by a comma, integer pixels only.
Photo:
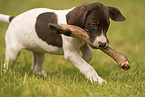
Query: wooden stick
[
  {"x": 121, "y": 59},
  {"x": 77, "y": 32}
]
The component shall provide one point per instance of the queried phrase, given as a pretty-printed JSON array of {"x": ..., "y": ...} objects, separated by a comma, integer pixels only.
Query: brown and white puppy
[{"x": 30, "y": 30}]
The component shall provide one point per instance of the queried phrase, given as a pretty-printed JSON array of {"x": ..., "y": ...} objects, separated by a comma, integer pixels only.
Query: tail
[{"x": 6, "y": 18}]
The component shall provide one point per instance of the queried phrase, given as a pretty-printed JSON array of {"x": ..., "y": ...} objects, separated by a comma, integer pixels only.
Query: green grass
[{"x": 63, "y": 79}]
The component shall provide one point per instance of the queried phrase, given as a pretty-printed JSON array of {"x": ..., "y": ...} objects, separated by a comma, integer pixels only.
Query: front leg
[
  {"x": 86, "y": 52},
  {"x": 71, "y": 48}
]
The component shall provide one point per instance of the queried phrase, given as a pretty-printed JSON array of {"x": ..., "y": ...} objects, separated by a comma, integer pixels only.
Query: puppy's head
[{"x": 94, "y": 18}]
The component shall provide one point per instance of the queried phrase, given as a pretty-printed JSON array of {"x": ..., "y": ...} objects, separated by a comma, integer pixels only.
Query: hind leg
[
  {"x": 11, "y": 56},
  {"x": 33, "y": 61},
  {"x": 38, "y": 60}
]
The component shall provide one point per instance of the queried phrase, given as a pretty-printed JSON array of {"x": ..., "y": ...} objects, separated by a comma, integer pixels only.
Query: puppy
[{"x": 30, "y": 31}]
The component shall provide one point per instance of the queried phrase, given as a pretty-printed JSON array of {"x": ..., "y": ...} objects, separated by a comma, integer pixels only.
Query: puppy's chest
[{"x": 44, "y": 32}]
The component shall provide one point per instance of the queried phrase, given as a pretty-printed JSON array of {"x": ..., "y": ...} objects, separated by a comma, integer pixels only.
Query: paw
[
  {"x": 41, "y": 73},
  {"x": 94, "y": 77},
  {"x": 101, "y": 81},
  {"x": 5, "y": 70},
  {"x": 97, "y": 80}
]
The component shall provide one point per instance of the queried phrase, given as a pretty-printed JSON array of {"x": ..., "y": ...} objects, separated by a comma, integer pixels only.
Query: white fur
[
  {"x": 4, "y": 18},
  {"x": 21, "y": 34},
  {"x": 101, "y": 38}
]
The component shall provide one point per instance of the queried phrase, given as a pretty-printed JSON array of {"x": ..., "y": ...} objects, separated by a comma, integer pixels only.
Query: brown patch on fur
[{"x": 45, "y": 33}]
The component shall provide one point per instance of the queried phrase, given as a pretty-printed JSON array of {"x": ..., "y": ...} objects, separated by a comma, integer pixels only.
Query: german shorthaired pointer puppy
[{"x": 30, "y": 30}]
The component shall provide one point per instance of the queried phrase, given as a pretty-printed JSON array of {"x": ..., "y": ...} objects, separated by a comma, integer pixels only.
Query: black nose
[{"x": 101, "y": 44}]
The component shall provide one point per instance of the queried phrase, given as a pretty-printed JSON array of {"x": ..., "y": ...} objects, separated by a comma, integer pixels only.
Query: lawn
[{"x": 64, "y": 80}]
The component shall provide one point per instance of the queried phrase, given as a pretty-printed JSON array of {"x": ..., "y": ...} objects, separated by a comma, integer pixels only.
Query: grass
[{"x": 63, "y": 79}]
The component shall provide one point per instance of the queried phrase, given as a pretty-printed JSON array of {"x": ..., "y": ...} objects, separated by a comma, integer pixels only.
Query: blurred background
[
  {"x": 127, "y": 37},
  {"x": 63, "y": 78}
]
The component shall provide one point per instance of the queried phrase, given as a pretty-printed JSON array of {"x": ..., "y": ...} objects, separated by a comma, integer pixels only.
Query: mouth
[
  {"x": 100, "y": 41},
  {"x": 100, "y": 45}
]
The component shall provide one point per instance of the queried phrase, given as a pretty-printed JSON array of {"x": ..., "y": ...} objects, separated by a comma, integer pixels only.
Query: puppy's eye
[{"x": 94, "y": 24}]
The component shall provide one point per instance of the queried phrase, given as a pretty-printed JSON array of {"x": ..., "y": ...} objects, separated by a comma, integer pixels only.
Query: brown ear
[
  {"x": 77, "y": 16},
  {"x": 115, "y": 14}
]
